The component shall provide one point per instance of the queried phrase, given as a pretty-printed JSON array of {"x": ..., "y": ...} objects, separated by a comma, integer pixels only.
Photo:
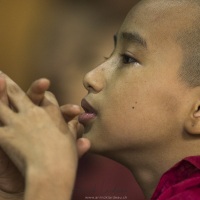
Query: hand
[
  {"x": 11, "y": 180},
  {"x": 39, "y": 95},
  {"x": 32, "y": 127}
]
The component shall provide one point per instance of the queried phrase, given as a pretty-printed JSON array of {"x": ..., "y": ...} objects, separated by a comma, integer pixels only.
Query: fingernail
[{"x": 75, "y": 106}]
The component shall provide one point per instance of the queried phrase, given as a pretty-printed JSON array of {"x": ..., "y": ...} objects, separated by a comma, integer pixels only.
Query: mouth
[{"x": 89, "y": 114}]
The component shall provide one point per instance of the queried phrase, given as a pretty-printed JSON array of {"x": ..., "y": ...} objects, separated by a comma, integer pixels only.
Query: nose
[{"x": 94, "y": 80}]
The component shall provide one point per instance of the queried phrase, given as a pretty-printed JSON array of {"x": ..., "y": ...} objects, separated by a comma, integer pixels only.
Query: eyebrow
[{"x": 132, "y": 37}]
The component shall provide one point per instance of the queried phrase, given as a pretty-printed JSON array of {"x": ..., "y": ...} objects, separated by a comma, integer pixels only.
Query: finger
[
  {"x": 76, "y": 129},
  {"x": 72, "y": 125},
  {"x": 49, "y": 99},
  {"x": 8, "y": 146},
  {"x": 83, "y": 145},
  {"x": 3, "y": 92},
  {"x": 37, "y": 90},
  {"x": 70, "y": 111},
  {"x": 6, "y": 114},
  {"x": 80, "y": 130},
  {"x": 17, "y": 96}
]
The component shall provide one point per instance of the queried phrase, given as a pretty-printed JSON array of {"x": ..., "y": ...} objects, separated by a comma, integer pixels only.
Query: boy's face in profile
[{"x": 137, "y": 92}]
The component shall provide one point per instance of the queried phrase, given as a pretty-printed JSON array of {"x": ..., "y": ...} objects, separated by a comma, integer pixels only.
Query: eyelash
[{"x": 126, "y": 59}]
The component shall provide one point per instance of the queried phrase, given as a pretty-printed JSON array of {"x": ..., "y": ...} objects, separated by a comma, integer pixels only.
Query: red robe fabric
[{"x": 181, "y": 182}]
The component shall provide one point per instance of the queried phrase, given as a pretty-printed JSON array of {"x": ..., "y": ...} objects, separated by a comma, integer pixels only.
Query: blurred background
[{"x": 62, "y": 40}]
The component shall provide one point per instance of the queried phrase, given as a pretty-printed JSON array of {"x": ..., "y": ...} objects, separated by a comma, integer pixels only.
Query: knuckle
[{"x": 13, "y": 88}]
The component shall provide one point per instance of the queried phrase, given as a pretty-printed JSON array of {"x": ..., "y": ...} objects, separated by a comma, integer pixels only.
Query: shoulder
[
  {"x": 180, "y": 182},
  {"x": 187, "y": 194}
]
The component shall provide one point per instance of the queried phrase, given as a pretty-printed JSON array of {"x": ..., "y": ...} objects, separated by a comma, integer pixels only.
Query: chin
[{"x": 97, "y": 139}]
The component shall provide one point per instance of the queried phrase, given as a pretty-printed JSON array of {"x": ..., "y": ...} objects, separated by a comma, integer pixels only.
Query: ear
[{"x": 192, "y": 123}]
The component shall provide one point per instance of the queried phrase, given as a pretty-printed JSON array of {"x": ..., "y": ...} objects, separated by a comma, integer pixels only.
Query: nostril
[
  {"x": 94, "y": 80},
  {"x": 89, "y": 88},
  {"x": 87, "y": 84}
]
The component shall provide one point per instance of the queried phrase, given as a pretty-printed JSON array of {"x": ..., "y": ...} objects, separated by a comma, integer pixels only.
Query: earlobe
[{"x": 192, "y": 124}]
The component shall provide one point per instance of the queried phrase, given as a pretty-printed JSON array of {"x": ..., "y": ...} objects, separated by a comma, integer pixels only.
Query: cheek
[
  {"x": 136, "y": 115},
  {"x": 118, "y": 118},
  {"x": 111, "y": 130},
  {"x": 140, "y": 116}
]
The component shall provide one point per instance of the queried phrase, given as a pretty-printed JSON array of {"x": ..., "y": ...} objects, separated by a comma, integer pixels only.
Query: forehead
[{"x": 159, "y": 20}]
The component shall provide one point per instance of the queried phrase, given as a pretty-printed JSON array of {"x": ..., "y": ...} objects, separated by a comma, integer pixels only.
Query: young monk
[{"x": 142, "y": 110}]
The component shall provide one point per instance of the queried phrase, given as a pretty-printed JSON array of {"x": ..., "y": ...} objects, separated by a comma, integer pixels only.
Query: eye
[{"x": 126, "y": 59}]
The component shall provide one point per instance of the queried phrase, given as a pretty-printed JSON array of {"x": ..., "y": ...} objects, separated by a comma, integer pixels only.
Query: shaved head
[
  {"x": 181, "y": 18},
  {"x": 189, "y": 40}
]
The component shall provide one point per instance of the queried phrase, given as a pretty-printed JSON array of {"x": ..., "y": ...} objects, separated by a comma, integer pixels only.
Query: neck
[
  {"x": 146, "y": 177},
  {"x": 146, "y": 169},
  {"x": 148, "y": 164},
  {"x": 147, "y": 174}
]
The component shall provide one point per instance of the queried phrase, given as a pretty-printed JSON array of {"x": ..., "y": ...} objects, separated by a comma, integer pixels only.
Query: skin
[
  {"x": 145, "y": 112},
  {"x": 147, "y": 117},
  {"x": 21, "y": 160}
]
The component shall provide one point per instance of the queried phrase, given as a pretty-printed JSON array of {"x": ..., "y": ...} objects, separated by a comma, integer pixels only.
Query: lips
[
  {"x": 89, "y": 114},
  {"x": 87, "y": 107}
]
